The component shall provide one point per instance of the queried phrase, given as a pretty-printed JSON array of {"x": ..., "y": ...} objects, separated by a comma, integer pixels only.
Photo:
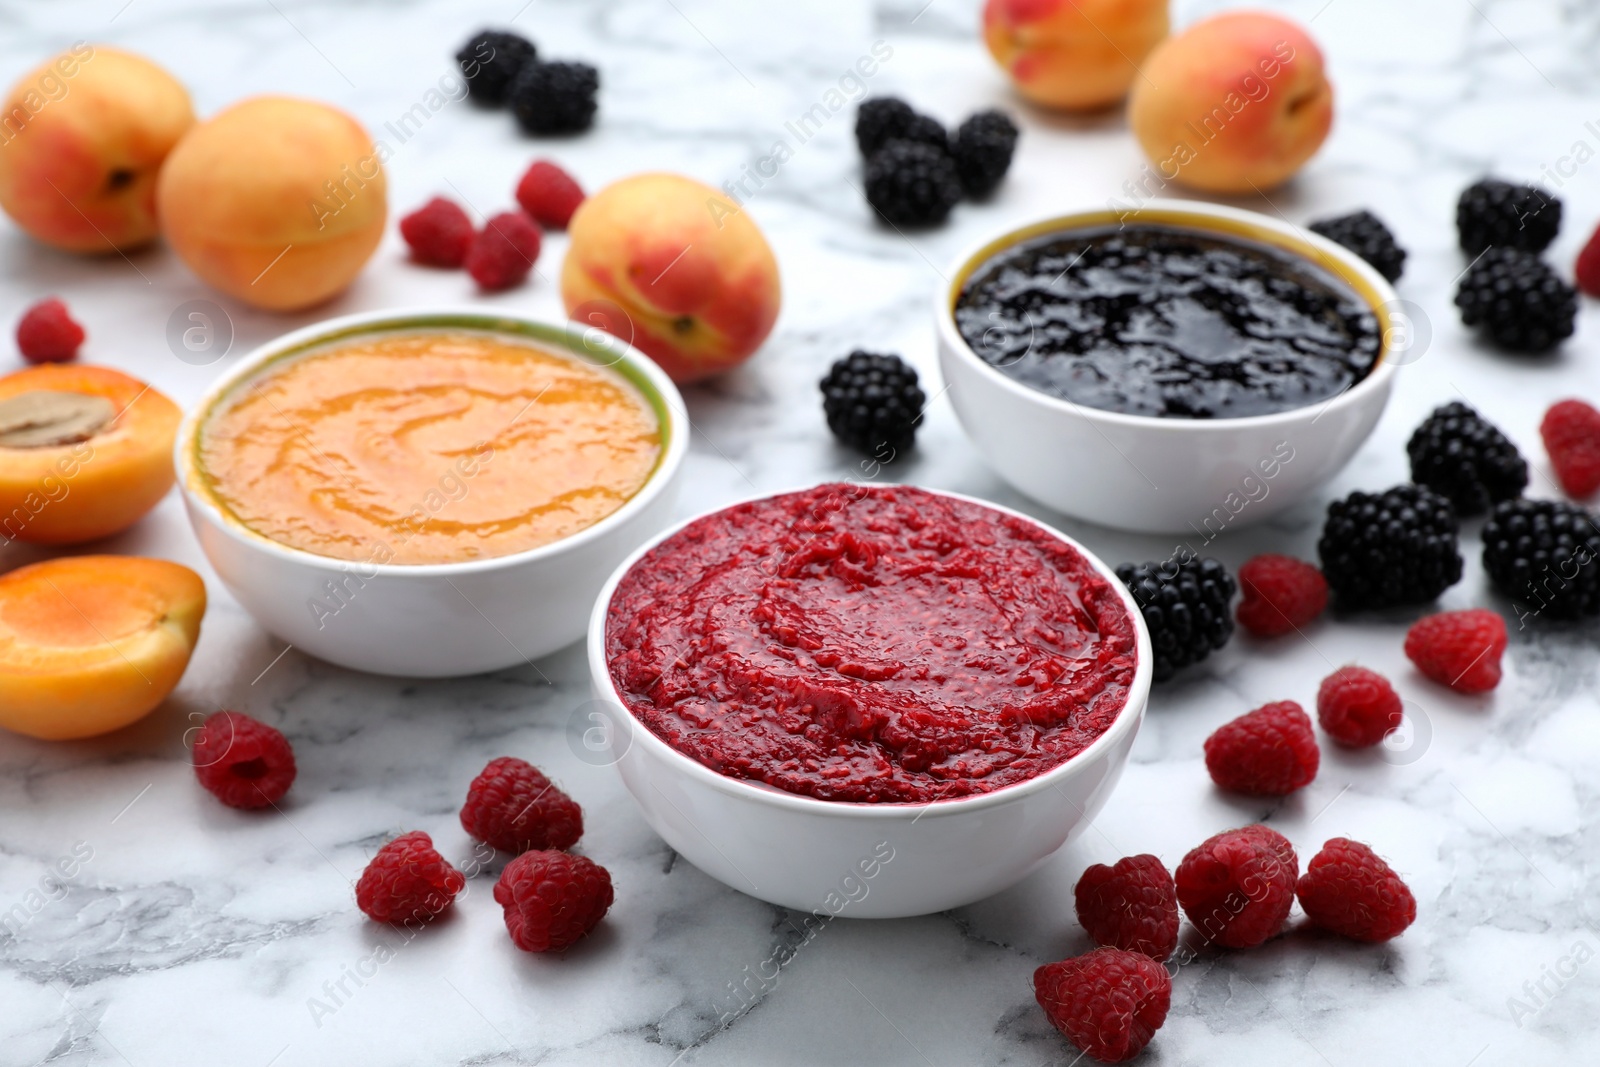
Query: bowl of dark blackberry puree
[{"x": 1169, "y": 368}]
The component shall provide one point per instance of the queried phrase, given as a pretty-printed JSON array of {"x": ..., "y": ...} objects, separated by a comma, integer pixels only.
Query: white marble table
[{"x": 192, "y": 934}]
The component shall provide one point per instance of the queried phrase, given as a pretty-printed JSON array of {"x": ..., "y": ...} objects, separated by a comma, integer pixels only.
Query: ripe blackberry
[
  {"x": 1184, "y": 600},
  {"x": 1517, "y": 300},
  {"x": 1499, "y": 214},
  {"x": 879, "y": 120},
  {"x": 1465, "y": 458},
  {"x": 490, "y": 61},
  {"x": 1542, "y": 554},
  {"x": 1364, "y": 233},
  {"x": 982, "y": 147},
  {"x": 1395, "y": 547},
  {"x": 873, "y": 403},
  {"x": 912, "y": 184},
  {"x": 551, "y": 98}
]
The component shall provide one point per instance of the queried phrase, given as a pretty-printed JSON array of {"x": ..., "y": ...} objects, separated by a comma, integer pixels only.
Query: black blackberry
[
  {"x": 1498, "y": 214},
  {"x": 1542, "y": 554},
  {"x": 1395, "y": 547},
  {"x": 925, "y": 129},
  {"x": 555, "y": 97},
  {"x": 1364, "y": 233},
  {"x": 1516, "y": 299},
  {"x": 1465, "y": 458},
  {"x": 982, "y": 148},
  {"x": 879, "y": 120},
  {"x": 873, "y": 403},
  {"x": 1185, "y": 603},
  {"x": 490, "y": 62},
  {"x": 912, "y": 184}
]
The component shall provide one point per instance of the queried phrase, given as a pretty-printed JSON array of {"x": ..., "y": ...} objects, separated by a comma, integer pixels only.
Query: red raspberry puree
[{"x": 877, "y": 644}]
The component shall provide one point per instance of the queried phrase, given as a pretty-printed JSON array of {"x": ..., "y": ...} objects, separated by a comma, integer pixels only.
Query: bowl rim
[
  {"x": 1129, "y": 716},
  {"x": 573, "y": 339},
  {"x": 1205, "y": 217}
]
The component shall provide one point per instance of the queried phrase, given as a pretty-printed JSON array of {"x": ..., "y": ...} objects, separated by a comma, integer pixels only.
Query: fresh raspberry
[
  {"x": 1130, "y": 906},
  {"x": 1587, "y": 270},
  {"x": 504, "y": 251},
  {"x": 48, "y": 334},
  {"x": 512, "y": 806},
  {"x": 1571, "y": 432},
  {"x": 439, "y": 233},
  {"x": 1269, "y": 752},
  {"x": 1238, "y": 887},
  {"x": 549, "y": 194},
  {"x": 552, "y": 898},
  {"x": 1281, "y": 594},
  {"x": 244, "y": 762},
  {"x": 1108, "y": 1002},
  {"x": 1349, "y": 890},
  {"x": 408, "y": 880},
  {"x": 1460, "y": 649},
  {"x": 1358, "y": 707}
]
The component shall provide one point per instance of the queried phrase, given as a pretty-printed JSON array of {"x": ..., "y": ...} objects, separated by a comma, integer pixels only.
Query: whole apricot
[
  {"x": 674, "y": 267},
  {"x": 82, "y": 139},
  {"x": 89, "y": 644},
  {"x": 1234, "y": 104},
  {"x": 1073, "y": 54},
  {"x": 276, "y": 201}
]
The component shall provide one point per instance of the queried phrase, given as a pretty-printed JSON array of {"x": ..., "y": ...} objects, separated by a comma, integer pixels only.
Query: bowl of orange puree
[{"x": 430, "y": 493}]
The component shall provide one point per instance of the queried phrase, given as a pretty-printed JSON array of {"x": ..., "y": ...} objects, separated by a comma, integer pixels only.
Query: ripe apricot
[
  {"x": 89, "y": 644},
  {"x": 84, "y": 452}
]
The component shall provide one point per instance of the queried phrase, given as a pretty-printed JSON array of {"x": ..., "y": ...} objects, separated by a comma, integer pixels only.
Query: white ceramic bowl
[
  {"x": 435, "y": 620},
  {"x": 862, "y": 860},
  {"x": 1155, "y": 475}
]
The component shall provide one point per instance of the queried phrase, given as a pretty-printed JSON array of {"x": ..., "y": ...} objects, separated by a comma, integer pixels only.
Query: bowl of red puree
[{"x": 867, "y": 700}]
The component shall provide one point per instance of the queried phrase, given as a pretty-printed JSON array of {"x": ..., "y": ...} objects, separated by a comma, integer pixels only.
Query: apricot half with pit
[
  {"x": 89, "y": 644},
  {"x": 84, "y": 452}
]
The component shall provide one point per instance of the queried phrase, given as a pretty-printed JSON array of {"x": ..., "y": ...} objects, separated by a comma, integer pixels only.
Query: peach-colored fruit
[
  {"x": 82, "y": 138},
  {"x": 674, "y": 267},
  {"x": 1073, "y": 54},
  {"x": 86, "y": 480},
  {"x": 277, "y": 201},
  {"x": 89, "y": 644},
  {"x": 1234, "y": 104}
]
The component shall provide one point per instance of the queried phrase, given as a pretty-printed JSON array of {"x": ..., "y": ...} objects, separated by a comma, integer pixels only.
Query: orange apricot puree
[{"x": 427, "y": 447}]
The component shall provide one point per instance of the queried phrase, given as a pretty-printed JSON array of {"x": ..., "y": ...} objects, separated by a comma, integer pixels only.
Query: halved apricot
[
  {"x": 84, "y": 452},
  {"x": 89, "y": 644}
]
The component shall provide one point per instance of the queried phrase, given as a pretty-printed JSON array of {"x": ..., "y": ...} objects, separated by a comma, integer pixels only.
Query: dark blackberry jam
[{"x": 1153, "y": 320}]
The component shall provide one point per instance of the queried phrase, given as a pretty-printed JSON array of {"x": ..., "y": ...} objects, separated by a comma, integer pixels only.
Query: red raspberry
[
  {"x": 1571, "y": 432},
  {"x": 1358, "y": 707},
  {"x": 408, "y": 880},
  {"x": 1238, "y": 887},
  {"x": 512, "y": 806},
  {"x": 1108, "y": 1002},
  {"x": 1281, "y": 594},
  {"x": 552, "y": 898},
  {"x": 1349, "y": 890},
  {"x": 1269, "y": 752},
  {"x": 244, "y": 762},
  {"x": 504, "y": 251},
  {"x": 549, "y": 194},
  {"x": 48, "y": 334},
  {"x": 439, "y": 233},
  {"x": 1460, "y": 649},
  {"x": 1130, "y": 906},
  {"x": 1588, "y": 266}
]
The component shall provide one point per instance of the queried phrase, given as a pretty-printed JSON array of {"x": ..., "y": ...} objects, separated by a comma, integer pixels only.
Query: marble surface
[{"x": 187, "y": 933}]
